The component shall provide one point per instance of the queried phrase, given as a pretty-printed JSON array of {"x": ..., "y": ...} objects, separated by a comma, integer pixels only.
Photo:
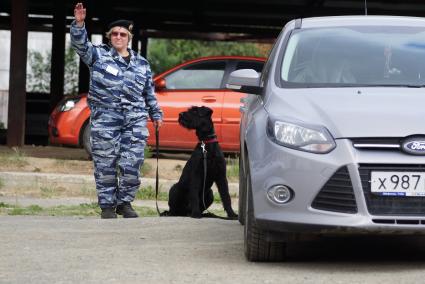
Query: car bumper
[
  {"x": 308, "y": 174},
  {"x": 60, "y": 132}
]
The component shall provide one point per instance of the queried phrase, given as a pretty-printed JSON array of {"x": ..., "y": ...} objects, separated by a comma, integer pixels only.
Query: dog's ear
[{"x": 205, "y": 111}]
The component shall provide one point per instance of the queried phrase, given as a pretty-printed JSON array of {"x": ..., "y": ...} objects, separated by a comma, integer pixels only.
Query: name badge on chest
[{"x": 112, "y": 70}]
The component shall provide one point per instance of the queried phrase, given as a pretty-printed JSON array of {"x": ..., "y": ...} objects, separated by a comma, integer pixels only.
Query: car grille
[
  {"x": 337, "y": 194},
  {"x": 399, "y": 221},
  {"x": 384, "y": 143},
  {"x": 391, "y": 205}
]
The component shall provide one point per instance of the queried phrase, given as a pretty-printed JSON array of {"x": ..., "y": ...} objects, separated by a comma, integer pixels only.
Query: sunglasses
[{"x": 115, "y": 34}]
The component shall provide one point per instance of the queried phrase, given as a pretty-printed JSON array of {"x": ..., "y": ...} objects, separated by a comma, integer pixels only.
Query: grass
[
  {"x": 1, "y": 183},
  {"x": 232, "y": 168},
  {"x": 148, "y": 152},
  {"x": 16, "y": 158},
  {"x": 148, "y": 193},
  {"x": 146, "y": 168},
  {"x": 88, "y": 191},
  {"x": 51, "y": 191},
  {"x": 84, "y": 209}
]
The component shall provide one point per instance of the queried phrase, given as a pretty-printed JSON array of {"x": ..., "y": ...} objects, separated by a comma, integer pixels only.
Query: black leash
[
  {"x": 157, "y": 165},
  {"x": 208, "y": 214}
]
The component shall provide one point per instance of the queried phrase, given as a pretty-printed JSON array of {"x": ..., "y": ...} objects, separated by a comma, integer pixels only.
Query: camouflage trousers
[{"x": 118, "y": 139}]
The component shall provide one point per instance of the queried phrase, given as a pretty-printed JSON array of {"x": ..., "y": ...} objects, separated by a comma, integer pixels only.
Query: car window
[
  {"x": 367, "y": 56},
  {"x": 205, "y": 75},
  {"x": 256, "y": 65}
]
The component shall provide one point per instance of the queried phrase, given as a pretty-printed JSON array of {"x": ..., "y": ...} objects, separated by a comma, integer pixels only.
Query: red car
[{"x": 193, "y": 83}]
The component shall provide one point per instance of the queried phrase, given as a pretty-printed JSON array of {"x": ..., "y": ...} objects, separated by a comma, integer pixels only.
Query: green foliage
[
  {"x": 166, "y": 53},
  {"x": 71, "y": 71},
  {"x": 38, "y": 77},
  {"x": 162, "y": 54},
  {"x": 2, "y": 125}
]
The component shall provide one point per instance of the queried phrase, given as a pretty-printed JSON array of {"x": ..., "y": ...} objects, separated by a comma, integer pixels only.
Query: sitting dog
[{"x": 186, "y": 197}]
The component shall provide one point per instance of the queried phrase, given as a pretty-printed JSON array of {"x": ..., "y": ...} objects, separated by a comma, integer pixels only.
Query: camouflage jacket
[{"x": 113, "y": 82}]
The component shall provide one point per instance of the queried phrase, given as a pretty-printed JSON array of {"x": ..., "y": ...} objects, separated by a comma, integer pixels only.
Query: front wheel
[
  {"x": 241, "y": 203},
  {"x": 256, "y": 246}
]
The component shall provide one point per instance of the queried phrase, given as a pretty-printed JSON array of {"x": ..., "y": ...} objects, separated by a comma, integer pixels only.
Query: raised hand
[{"x": 79, "y": 13}]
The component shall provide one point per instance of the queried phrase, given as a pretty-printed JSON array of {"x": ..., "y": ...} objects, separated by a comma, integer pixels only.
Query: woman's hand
[
  {"x": 80, "y": 14},
  {"x": 157, "y": 123}
]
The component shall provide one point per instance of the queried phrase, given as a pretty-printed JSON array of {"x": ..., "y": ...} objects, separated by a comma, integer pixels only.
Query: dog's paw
[
  {"x": 232, "y": 215},
  {"x": 196, "y": 215}
]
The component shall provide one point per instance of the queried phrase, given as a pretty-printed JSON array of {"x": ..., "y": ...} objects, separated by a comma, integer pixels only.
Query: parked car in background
[
  {"x": 333, "y": 142},
  {"x": 193, "y": 83}
]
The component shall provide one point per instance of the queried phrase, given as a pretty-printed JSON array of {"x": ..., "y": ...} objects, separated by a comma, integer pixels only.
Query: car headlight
[
  {"x": 314, "y": 139},
  {"x": 67, "y": 105}
]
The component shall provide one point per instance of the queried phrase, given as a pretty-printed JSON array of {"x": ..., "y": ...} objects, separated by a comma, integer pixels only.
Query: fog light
[{"x": 279, "y": 194}]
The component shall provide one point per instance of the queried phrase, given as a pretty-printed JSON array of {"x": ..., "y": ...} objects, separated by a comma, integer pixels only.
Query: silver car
[{"x": 333, "y": 133}]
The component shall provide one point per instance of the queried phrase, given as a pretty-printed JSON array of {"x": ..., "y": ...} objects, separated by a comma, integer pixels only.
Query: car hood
[{"x": 353, "y": 112}]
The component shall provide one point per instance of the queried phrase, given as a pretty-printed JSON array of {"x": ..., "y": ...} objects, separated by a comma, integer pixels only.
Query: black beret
[{"x": 122, "y": 23}]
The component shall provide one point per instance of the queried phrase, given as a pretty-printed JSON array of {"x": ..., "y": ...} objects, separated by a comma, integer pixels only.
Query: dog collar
[{"x": 212, "y": 140}]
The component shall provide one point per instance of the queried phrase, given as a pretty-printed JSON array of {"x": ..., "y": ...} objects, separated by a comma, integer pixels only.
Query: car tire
[
  {"x": 257, "y": 248},
  {"x": 86, "y": 138},
  {"x": 241, "y": 202}
]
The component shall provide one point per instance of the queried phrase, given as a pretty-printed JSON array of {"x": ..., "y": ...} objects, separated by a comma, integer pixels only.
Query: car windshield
[{"x": 355, "y": 56}]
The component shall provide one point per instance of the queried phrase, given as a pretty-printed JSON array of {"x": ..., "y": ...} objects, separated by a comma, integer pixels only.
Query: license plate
[{"x": 398, "y": 183}]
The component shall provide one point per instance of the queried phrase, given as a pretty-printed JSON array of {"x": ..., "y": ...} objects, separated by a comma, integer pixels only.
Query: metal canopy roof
[{"x": 210, "y": 19}]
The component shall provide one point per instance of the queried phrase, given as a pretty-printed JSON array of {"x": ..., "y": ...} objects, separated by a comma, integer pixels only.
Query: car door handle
[{"x": 209, "y": 99}]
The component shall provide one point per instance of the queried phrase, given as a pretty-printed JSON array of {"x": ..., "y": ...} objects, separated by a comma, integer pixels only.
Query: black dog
[{"x": 187, "y": 198}]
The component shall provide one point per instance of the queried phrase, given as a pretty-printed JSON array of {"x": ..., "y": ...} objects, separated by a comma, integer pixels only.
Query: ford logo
[{"x": 414, "y": 145}]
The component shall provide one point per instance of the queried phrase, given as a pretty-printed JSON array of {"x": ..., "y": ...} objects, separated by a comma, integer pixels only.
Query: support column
[
  {"x": 135, "y": 40},
  {"x": 18, "y": 73},
  {"x": 144, "y": 45},
  {"x": 58, "y": 54}
]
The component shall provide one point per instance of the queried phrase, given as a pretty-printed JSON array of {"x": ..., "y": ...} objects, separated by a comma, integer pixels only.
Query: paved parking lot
[{"x": 184, "y": 250}]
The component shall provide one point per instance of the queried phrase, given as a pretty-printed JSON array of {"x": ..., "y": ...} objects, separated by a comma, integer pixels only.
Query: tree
[
  {"x": 166, "y": 53},
  {"x": 162, "y": 55},
  {"x": 38, "y": 77},
  {"x": 71, "y": 71}
]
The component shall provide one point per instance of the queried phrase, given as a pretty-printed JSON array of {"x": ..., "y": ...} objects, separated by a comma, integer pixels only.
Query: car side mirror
[
  {"x": 245, "y": 81},
  {"x": 160, "y": 84}
]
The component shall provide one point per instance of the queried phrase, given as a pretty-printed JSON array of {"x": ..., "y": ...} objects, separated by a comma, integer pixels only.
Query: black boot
[
  {"x": 126, "y": 210},
  {"x": 108, "y": 213}
]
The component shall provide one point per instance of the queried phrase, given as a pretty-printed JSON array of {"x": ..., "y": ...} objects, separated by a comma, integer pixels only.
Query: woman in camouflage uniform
[{"x": 121, "y": 98}]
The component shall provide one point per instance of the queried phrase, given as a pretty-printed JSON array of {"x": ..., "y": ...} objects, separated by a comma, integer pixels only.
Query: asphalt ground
[
  {"x": 185, "y": 250},
  {"x": 44, "y": 249}
]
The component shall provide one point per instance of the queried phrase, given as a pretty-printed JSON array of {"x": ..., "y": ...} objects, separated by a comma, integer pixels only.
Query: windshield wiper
[{"x": 393, "y": 85}]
